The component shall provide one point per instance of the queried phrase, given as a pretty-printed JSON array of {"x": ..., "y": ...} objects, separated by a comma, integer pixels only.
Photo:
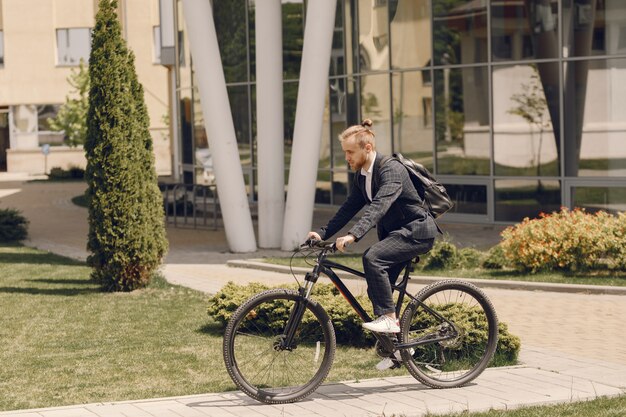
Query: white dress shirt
[{"x": 368, "y": 176}]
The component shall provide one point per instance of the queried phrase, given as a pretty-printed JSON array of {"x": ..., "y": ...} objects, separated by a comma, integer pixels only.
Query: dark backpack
[{"x": 432, "y": 193}]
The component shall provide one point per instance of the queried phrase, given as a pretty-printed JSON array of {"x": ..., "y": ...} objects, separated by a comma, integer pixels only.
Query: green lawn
[
  {"x": 354, "y": 261},
  {"x": 601, "y": 407},
  {"x": 65, "y": 342}
]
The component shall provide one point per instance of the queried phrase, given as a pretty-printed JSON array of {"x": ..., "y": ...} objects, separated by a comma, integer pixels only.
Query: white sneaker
[{"x": 383, "y": 324}]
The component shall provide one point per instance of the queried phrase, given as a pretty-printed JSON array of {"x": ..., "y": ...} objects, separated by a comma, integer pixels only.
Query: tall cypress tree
[{"x": 126, "y": 219}]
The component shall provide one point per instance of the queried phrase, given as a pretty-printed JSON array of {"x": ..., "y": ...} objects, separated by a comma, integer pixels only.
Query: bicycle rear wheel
[
  {"x": 257, "y": 358},
  {"x": 470, "y": 336}
]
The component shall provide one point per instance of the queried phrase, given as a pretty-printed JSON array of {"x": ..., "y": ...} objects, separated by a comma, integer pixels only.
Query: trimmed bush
[
  {"x": 566, "y": 241},
  {"x": 495, "y": 258},
  {"x": 126, "y": 219},
  {"x": 74, "y": 173},
  {"x": 469, "y": 258},
  {"x": 13, "y": 226},
  {"x": 443, "y": 255},
  {"x": 348, "y": 324},
  {"x": 475, "y": 337}
]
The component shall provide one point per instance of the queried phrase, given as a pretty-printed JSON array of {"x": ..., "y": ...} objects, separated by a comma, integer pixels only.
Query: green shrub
[
  {"x": 443, "y": 255},
  {"x": 345, "y": 320},
  {"x": 469, "y": 258},
  {"x": 475, "y": 336},
  {"x": 347, "y": 323},
  {"x": 495, "y": 258},
  {"x": 13, "y": 226},
  {"x": 59, "y": 174},
  {"x": 566, "y": 240}
]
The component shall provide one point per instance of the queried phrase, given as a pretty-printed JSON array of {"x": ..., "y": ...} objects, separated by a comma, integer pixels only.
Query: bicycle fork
[{"x": 295, "y": 316}]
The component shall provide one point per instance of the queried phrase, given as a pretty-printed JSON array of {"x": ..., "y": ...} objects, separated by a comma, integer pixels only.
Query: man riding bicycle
[{"x": 405, "y": 228}]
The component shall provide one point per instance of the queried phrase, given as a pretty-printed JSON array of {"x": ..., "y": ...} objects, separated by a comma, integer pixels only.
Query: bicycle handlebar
[{"x": 320, "y": 244}]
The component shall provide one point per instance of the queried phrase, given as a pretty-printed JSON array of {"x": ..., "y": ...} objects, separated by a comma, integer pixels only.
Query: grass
[
  {"x": 600, "y": 407},
  {"x": 66, "y": 342},
  {"x": 595, "y": 278}
]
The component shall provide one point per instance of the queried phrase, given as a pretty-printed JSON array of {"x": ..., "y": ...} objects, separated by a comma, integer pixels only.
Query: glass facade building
[{"x": 517, "y": 106}]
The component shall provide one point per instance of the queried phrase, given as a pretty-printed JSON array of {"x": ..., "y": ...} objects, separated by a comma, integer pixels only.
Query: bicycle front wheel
[
  {"x": 459, "y": 328},
  {"x": 258, "y": 357}
]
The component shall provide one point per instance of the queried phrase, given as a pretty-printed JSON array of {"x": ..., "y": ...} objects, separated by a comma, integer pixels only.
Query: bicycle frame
[{"x": 325, "y": 266}]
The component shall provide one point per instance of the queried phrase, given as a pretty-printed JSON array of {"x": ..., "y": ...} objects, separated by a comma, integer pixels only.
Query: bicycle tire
[
  {"x": 459, "y": 360},
  {"x": 266, "y": 373}
]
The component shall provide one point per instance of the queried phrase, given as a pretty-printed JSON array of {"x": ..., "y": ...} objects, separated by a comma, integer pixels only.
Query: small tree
[
  {"x": 126, "y": 219},
  {"x": 72, "y": 116}
]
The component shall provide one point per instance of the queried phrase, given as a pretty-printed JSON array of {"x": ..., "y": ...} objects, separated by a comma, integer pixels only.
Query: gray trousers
[{"x": 382, "y": 264}]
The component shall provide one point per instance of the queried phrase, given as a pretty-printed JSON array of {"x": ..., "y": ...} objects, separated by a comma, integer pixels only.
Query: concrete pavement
[{"x": 572, "y": 343}]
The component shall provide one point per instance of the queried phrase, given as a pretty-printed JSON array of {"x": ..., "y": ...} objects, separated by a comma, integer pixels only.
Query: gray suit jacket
[{"x": 395, "y": 207}]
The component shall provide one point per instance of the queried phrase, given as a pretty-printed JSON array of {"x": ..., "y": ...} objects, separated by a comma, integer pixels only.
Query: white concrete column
[
  {"x": 218, "y": 123},
  {"x": 312, "y": 89},
  {"x": 270, "y": 111}
]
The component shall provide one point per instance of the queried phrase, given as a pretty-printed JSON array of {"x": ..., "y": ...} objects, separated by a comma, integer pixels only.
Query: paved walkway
[{"x": 572, "y": 341}]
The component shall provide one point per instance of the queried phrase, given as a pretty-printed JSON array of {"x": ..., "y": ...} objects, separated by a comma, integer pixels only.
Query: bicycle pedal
[{"x": 388, "y": 363}]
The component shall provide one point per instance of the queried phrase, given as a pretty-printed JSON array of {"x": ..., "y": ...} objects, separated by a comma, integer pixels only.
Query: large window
[
  {"x": 413, "y": 115},
  {"x": 410, "y": 33},
  {"x": 373, "y": 35},
  {"x": 525, "y": 114},
  {"x": 516, "y": 199},
  {"x": 462, "y": 121},
  {"x": 594, "y": 27},
  {"x": 611, "y": 199},
  {"x": 459, "y": 31},
  {"x": 73, "y": 44},
  {"x": 524, "y": 29},
  {"x": 595, "y": 114}
]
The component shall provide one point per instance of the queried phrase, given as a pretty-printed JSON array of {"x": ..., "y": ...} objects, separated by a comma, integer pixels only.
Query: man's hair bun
[{"x": 366, "y": 123}]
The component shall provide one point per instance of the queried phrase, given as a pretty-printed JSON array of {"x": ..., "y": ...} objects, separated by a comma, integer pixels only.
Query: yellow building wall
[{"x": 31, "y": 75}]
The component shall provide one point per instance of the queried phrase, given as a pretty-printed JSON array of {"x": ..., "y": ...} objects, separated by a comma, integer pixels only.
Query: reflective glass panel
[
  {"x": 413, "y": 116},
  {"x": 337, "y": 55},
  {"x": 462, "y": 121},
  {"x": 516, "y": 199},
  {"x": 230, "y": 26},
  {"x": 468, "y": 199},
  {"x": 410, "y": 33},
  {"x": 290, "y": 96},
  {"x": 293, "y": 38},
  {"x": 526, "y": 119},
  {"x": 339, "y": 118},
  {"x": 375, "y": 106},
  {"x": 611, "y": 199},
  {"x": 594, "y": 27},
  {"x": 238, "y": 98},
  {"x": 524, "y": 29},
  {"x": 324, "y": 162},
  {"x": 323, "y": 187},
  {"x": 459, "y": 31},
  {"x": 340, "y": 187},
  {"x": 373, "y": 35},
  {"x": 595, "y": 111}
]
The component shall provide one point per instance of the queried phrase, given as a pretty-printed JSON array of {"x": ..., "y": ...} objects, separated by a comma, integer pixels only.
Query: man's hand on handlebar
[
  {"x": 340, "y": 244},
  {"x": 343, "y": 241}
]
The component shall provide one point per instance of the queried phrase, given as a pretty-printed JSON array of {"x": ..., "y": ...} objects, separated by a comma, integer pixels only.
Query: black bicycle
[{"x": 280, "y": 344}]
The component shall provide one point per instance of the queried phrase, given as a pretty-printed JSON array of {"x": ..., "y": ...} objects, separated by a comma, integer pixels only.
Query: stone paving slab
[{"x": 497, "y": 388}]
